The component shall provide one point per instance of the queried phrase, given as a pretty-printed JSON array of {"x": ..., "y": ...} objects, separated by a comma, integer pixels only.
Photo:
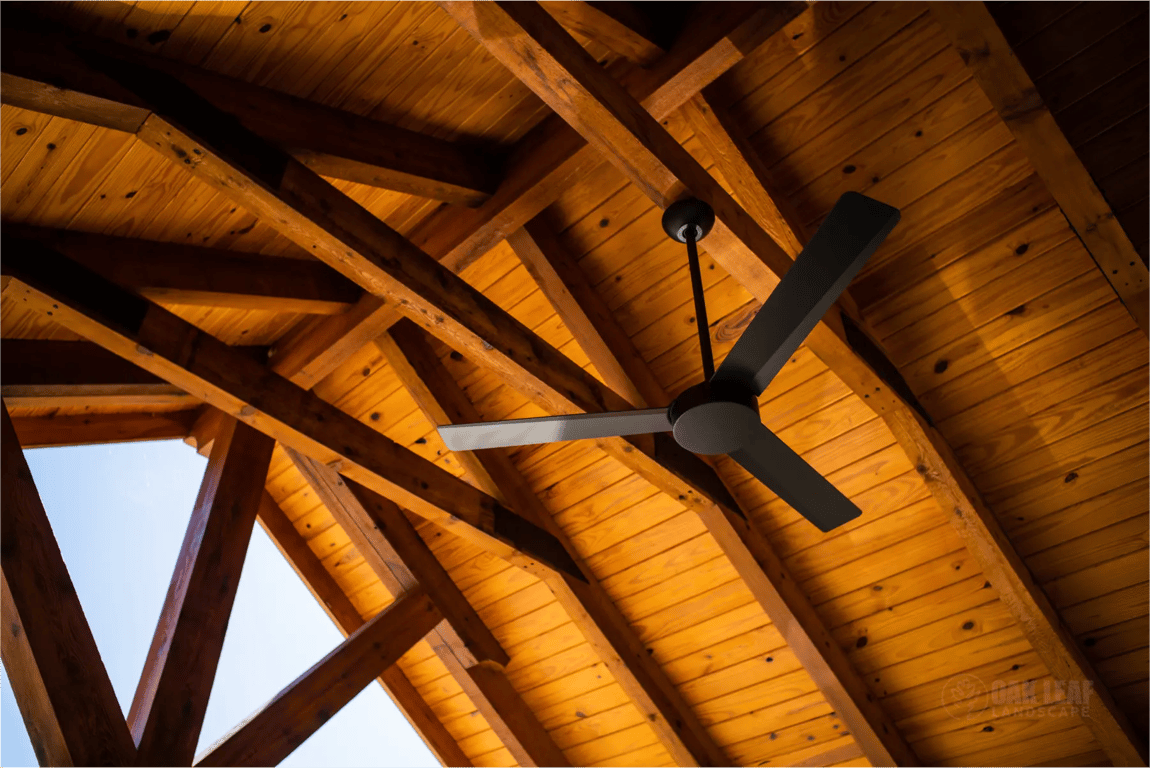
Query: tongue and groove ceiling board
[{"x": 1021, "y": 351}]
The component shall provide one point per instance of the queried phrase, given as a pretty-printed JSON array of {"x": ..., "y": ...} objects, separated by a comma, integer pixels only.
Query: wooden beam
[
  {"x": 38, "y": 73},
  {"x": 298, "y": 711},
  {"x": 586, "y": 602},
  {"x": 401, "y": 559},
  {"x": 617, "y": 25},
  {"x": 1003, "y": 79},
  {"x": 538, "y": 51},
  {"x": 586, "y": 315},
  {"x": 58, "y": 679},
  {"x": 158, "y": 341},
  {"x": 174, "y": 273},
  {"x": 59, "y": 374},
  {"x": 339, "y": 608},
  {"x": 546, "y": 162},
  {"x": 171, "y": 699},
  {"x": 96, "y": 428}
]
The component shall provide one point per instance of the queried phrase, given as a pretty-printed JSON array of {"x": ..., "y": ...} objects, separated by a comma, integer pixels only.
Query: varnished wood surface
[{"x": 981, "y": 297}]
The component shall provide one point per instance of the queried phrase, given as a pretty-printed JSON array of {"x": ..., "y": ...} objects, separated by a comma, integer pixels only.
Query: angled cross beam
[
  {"x": 1003, "y": 79},
  {"x": 443, "y": 402},
  {"x": 175, "y": 273},
  {"x": 92, "y": 428},
  {"x": 57, "y": 374},
  {"x": 57, "y": 676},
  {"x": 619, "y": 26},
  {"x": 168, "y": 709},
  {"x": 298, "y": 711},
  {"x": 401, "y": 559},
  {"x": 518, "y": 33},
  {"x": 38, "y": 74},
  {"x": 585, "y": 314},
  {"x": 337, "y": 605},
  {"x": 167, "y": 346}
]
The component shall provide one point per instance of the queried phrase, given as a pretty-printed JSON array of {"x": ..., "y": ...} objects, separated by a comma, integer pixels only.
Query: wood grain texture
[
  {"x": 171, "y": 699},
  {"x": 59, "y": 681},
  {"x": 298, "y": 711},
  {"x": 998, "y": 71}
]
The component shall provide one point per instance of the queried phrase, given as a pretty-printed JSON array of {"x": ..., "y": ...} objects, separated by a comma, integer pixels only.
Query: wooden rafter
[
  {"x": 331, "y": 142},
  {"x": 1003, "y": 79},
  {"x": 620, "y": 26},
  {"x": 160, "y": 342},
  {"x": 585, "y": 314},
  {"x": 47, "y": 374},
  {"x": 538, "y": 51},
  {"x": 171, "y": 700},
  {"x": 643, "y": 150},
  {"x": 93, "y": 428},
  {"x": 339, "y": 608},
  {"x": 174, "y": 273},
  {"x": 59, "y": 681},
  {"x": 401, "y": 559},
  {"x": 587, "y": 603},
  {"x": 298, "y": 711}
]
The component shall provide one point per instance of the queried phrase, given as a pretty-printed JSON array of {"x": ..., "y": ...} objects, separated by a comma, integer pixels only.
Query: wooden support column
[
  {"x": 1003, "y": 79},
  {"x": 401, "y": 559},
  {"x": 585, "y": 313},
  {"x": 58, "y": 679},
  {"x": 298, "y": 711},
  {"x": 339, "y": 608},
  {"x": 586, "y": 602},
  {"x": 172, "y": 697}
]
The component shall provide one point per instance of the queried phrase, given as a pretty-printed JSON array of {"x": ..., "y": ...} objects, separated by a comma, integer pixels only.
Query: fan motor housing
[{"x": 711, "y": 420}]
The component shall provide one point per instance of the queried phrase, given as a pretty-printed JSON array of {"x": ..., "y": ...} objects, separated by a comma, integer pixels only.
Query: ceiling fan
[{"x": 720, "y": 415}]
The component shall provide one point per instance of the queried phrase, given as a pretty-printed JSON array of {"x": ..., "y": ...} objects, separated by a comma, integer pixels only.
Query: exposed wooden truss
[
  {"x": 1000, "y": 75},
  {"x": 168, "y": 709},
  {"x": 401, "y": 559},
  {"x": 298, "y": 711},
  {"x": 59, "y": 681},
  {"x": 160, "y": 342}
]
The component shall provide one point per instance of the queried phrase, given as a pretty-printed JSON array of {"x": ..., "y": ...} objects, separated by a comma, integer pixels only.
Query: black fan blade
[
  {"x": 552, "y": 429},
  {"x": 853, "y": 230},
  {"x": 796, "y": 482}
]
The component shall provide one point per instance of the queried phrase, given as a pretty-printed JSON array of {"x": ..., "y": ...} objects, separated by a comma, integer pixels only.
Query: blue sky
[{"x": 119, "y": 514}]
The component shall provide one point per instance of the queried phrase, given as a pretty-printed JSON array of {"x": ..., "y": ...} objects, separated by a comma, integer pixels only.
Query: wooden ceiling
[{"x": 427, "y": 214}]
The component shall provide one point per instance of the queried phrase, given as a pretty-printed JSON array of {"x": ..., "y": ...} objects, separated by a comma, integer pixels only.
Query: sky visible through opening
[{"x": 119, "y": 513}]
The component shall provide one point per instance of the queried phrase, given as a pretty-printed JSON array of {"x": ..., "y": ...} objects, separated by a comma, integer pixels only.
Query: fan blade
[
  {"x": 552, "y": 429},
  {"x": 853, "y": 230},
  {"x": 796, "y": 482}
]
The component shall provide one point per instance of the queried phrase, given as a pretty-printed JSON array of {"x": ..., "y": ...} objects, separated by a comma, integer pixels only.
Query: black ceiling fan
[{"x": 721, "y": 414}]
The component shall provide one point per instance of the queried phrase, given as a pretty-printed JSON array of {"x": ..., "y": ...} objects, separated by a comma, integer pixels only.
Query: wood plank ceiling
[{"x": 679, "y": 633}]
